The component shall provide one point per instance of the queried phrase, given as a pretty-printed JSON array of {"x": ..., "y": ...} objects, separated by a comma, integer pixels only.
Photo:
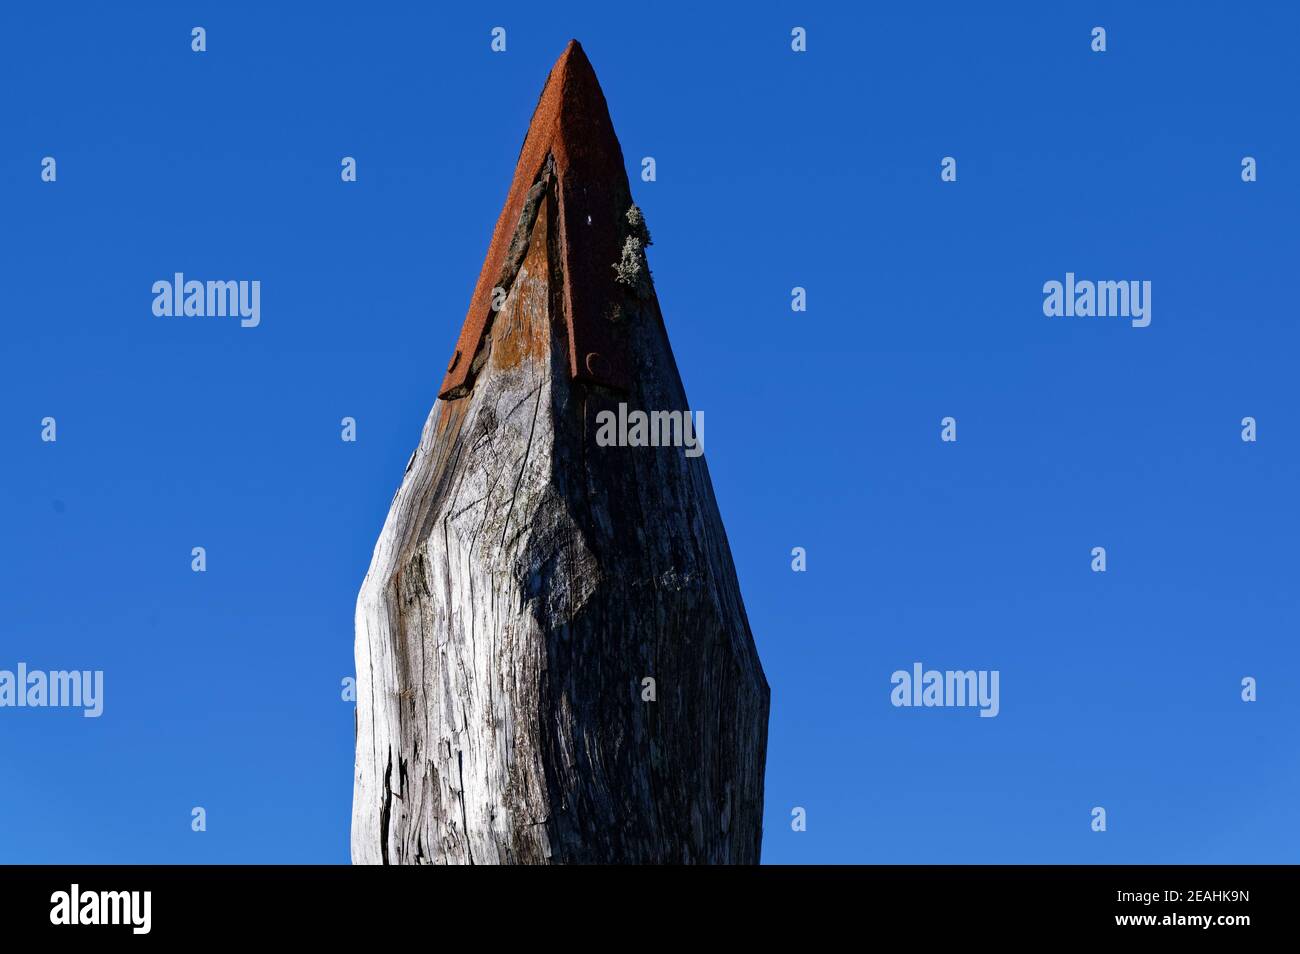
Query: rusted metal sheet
[{"x": 571, "y": 130}]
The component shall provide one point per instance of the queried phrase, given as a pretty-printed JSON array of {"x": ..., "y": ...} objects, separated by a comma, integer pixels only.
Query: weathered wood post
[{"x": 553, "y": 659}]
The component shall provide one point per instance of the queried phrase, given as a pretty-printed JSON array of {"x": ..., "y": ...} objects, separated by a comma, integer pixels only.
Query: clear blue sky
[{"x": 1119, "y": 690}]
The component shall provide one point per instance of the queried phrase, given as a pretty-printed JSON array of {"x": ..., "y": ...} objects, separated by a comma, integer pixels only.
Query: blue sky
[{"x": 775, "y": 169}]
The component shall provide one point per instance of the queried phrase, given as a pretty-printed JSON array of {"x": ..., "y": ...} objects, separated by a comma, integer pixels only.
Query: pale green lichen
[{"x": 632, "y": 269}]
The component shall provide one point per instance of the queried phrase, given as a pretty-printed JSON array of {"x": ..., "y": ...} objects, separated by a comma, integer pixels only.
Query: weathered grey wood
[{"x": 525, "y": 582}]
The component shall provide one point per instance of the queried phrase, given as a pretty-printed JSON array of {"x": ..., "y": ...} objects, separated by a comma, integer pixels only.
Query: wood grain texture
[{"x": 525, "y": 582}]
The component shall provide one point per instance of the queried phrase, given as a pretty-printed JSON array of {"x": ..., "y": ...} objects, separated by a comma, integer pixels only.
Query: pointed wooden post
[{"x": 553, "y": 658}]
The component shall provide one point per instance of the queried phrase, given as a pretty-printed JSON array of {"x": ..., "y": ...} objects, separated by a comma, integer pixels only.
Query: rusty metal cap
[{"x": 571, "y": 124}]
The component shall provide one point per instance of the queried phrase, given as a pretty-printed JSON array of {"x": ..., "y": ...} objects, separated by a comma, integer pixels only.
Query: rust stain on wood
[{"x": 524, "y": 330}]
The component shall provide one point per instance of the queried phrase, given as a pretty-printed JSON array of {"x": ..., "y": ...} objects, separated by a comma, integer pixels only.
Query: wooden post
[{"x": 553, "y": 658}]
